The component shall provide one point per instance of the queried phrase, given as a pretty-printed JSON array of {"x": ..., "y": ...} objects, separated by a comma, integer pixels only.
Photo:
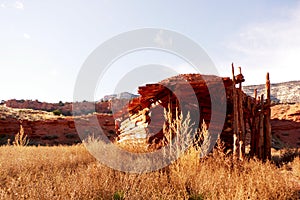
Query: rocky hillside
[
  {"x": 286, "y": 92},
  {"x": 45, "y": 128},
  {"x": 286, "y": 124},
  {"x": 60, "y": 108}
]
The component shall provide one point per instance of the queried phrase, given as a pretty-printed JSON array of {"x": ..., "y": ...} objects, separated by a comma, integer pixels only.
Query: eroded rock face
[
  {"x": 286, "y": 123},
  {"x": 287, "y": 92},
  {"x": 64, "y": 108},
  {"x": 46, "y": 129}
]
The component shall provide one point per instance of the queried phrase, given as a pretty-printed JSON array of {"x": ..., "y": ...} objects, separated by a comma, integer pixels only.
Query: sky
[{"x": 44, "y": 44}]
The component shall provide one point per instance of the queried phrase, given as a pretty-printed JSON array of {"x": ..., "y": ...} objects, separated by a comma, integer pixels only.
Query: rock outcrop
[
  {"x": 122, "y": 95},
  {"x": 44, "y": 128},
  {"x": 287, "y": 92},
  {"x": 64, "y": 108},
  {"x": 286, "y": 124}
]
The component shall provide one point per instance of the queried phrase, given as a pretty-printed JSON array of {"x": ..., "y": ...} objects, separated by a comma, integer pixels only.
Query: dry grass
[
  {"x": 20, "y": 138},
  {"x": 64, "y": 172},
  {"x": 26, "y": 114},
  {"x": 70, "y": 172}
]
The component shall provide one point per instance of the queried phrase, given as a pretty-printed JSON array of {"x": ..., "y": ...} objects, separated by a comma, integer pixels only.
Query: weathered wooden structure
[{"x": 247, "y": 119}]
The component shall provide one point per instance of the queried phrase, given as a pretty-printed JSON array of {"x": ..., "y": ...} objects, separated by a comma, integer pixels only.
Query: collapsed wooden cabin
[{"x": 220, "y": 103}]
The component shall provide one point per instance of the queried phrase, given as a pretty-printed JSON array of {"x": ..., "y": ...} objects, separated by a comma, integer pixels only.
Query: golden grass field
[{"x": 70, "y": 172}]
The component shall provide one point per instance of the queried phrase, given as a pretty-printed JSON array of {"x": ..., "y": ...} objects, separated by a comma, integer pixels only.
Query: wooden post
[
  {"x": 241, "y": 127},
  {"x": 254, "y": 128},
  {"x": 240, "y": 84},
  {"x": 255, "y": 94},
  {"x": 268, "y": 135},
  {"x": 261, "y": 128},
  {"x": 235, "y": 118},
  {"x": 251, "y": 122},
  {"x": 240, "y": 115},
  {"x": 239, "y": 118}
]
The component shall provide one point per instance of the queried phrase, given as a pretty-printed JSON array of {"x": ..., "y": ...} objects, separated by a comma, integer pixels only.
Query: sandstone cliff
[
  {"x": 286, "y": 92},
  {"x": 45, "y": 128},
  {"x": 64, "y": 108},
  {"x": 286, "y": 124}
]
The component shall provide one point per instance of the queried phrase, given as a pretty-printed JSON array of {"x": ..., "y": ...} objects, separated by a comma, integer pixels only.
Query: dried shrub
[{"x": 21, "y": 138}]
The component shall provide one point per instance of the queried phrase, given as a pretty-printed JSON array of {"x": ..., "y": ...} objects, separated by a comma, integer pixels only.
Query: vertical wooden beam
[
  {"x": 268, "y": 88},
  {"x": 251, "y": 121},
  {"x": 261, "y": 129},
  {"x": 240, "y": 84},
  {"x": 254, "y": 128},
  {"x": 241, "y": 121},
  {"x": 241, "y": 127},
  {"x": 239, "y": 113},
  {"x": 255, "y": 94},
  {"x": 268, "y": 135},
  {"x": 235, "y": 118}
]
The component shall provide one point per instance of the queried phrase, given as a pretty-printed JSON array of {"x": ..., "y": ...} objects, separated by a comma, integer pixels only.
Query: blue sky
[{"x": 43, "y": 44}]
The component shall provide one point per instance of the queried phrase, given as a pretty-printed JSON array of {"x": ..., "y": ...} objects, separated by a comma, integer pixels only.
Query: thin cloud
[
  {"x": 19, "y": 5},
  {"x": 163, "y": 40},
  {"x": 3, "y": 5},
  {"x": 26, "y": 36},
  {"x": 184, "y": 68},
  {"x": 16, "y": 5},
  {"x": 54, "y": 72},
  {"x": 271, "y": 45}
]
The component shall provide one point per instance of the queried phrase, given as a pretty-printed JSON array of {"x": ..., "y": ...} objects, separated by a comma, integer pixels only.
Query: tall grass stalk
[{"x": 21, "y": 138}]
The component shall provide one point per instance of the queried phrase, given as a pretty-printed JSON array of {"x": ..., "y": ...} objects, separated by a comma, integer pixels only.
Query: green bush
[
  {"x": 119, "y": 195},
  {"x": 57, "y": 112}
]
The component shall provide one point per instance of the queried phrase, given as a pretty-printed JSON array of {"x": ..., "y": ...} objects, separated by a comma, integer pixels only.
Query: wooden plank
[
  {"x": 261, "y": 128},
  {"x": 251, "y": 121},
  {"x": 240, "y": 84},
  {"x": 235, "y": 118},
  {"x": 241, "y": 124},
  {"x": 268, "y": 135}
]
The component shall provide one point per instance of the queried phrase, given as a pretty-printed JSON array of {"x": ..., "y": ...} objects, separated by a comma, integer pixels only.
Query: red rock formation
[
  {"x": 51, "y": 130},
  {"x": 286, "y": 123},
  {"x": 65, "y": 108}
]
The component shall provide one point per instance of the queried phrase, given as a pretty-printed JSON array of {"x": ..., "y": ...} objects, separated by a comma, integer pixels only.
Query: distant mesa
[
  {"x": 122, "y": 95},
  {"x": 64, "y": 108},
  {"x": 286, "y": 92}
]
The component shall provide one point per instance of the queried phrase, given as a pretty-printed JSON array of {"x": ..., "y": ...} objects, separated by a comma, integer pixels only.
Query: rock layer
[
  {"x": 49, "y": 130},
  {"x": 64, "y": 108},
  {"x": 286, "y": 123}
]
